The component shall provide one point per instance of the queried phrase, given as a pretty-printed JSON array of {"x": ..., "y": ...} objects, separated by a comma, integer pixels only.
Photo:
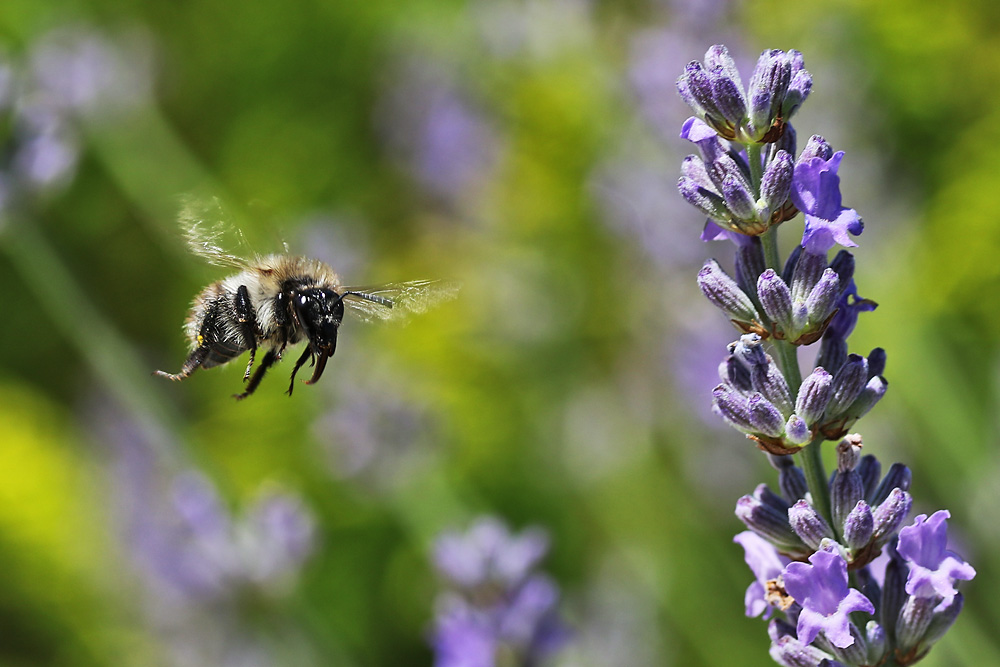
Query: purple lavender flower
[
  {"x": 933, "y": 569},
  {"x": 821, "y": 588},
  {"x": 766, "y": 564},
  {"x": 816, "y": 192},
  {"x": 499, "y": 605}
]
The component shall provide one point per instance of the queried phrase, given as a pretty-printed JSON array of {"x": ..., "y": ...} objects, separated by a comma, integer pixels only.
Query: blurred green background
[{"x": 529, "y": 149}]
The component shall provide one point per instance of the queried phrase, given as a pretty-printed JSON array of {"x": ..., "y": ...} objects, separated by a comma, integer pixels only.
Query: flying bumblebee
[{"x": 280, "y": 300}]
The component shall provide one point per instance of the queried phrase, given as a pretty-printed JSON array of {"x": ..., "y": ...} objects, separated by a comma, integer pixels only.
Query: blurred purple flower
[
  {"x": 933, "y": 569},
  {"x": 827, "y": 601},
  {"x": 499, "y": 606},
  {"x": 435, "y": 130}
]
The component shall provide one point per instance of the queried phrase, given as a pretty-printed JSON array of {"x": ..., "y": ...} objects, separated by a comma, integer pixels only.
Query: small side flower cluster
[
  {"x": 498, "y": 610},
  {"x": 826, "y": 552}
]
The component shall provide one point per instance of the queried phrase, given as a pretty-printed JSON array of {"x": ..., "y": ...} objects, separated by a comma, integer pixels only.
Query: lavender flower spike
[
  {"x": 816, "y": 192},
  {"x": 933, "y": 569},
  {"x": 821, "y": 589}
]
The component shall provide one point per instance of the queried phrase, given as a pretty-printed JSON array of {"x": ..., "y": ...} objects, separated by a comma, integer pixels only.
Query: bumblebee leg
[
  {"x": 258, "y": 374},
  {"x": 247, "y": 320},
  {"x": 306, "y": 354},
  {"x": 194, "y": 360}
]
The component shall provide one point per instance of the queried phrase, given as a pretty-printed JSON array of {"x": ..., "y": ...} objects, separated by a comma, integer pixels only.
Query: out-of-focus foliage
[{"x": 529, "y": 149}]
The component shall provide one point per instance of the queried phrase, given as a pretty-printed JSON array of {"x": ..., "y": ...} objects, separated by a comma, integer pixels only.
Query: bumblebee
[{"x": 280, "y": 300}]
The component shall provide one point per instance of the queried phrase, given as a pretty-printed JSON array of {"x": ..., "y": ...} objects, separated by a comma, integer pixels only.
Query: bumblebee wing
[
  {"x": 397, "y": 301},
  {"x": 205, "y": 230}
]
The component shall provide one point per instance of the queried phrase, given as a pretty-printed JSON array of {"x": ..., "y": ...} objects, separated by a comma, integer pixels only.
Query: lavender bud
[
  {"x": 736, "y": 192},
  {"x": 814, "y": 394},
  {"x": 890, "y": 515},
  {"x": 893, "y": 592},
  {"x": 789, "y": 269},
  {"x": 808, "y": 524},
  {"x": 736, "y": 374},
  {"x": 848, "y": 383},
  {"x": 723, "y": 292},
  {"x": 759, "y": 113},
  {"x": 869, "y": 587},
  {"x": 698, "y": 85},
  {"x": 817, "y": 146},
  {"x": 914, "y": 620},
  {"x": 942, "y": 622},
  {"x": 898, "y": 477},
  {"x": 856, "y": 653},
  {"x": 878, "y": 643},
  {"x": 765, "y": 417},
  {"x": 764, "y": 494},
  {"x": 808, "y": 270},
  {"x": 843, "y": 264},
  {"x": 792, "y": 482},
  {"x": 768, "y": 83},
  {"x": 769, "y": 523},
  {"x": 870, "y": 470},
  {"x": 823, "y": 298},
  {"x": 786, "y": 142},
  {"x": 777, "y": 181},
  {"x": 704, "y": 200},
  {"x": 749, "y": 265},
  {"x": 798, "y": 88},
  {"x": 775, "y": 298},
  {"x": 732, "y": 407},
  {"x": 870, "y": 395},
  {"x": 797, "y": 431},
  {"x": 832, "y": 353},
  {"x": 717, "y": 59},
  {"x": 729, "y": 98},
  {"x": 859, "y": 526},
  {"x": 790, "y": 652},
  {"x": 845, "y": 492},
  {"x": 769, "y": 381},
  {"x": 849, "y": 452},
  {"x": 876, "y": 362}
]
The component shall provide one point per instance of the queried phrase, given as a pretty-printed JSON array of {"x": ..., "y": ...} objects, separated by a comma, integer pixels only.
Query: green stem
[
  {"x": 756, "y": 168},
  {"x": 811, "y": 460}
]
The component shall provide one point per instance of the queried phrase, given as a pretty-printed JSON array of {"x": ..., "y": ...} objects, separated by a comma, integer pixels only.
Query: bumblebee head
[{"x": 319, "y": 312}]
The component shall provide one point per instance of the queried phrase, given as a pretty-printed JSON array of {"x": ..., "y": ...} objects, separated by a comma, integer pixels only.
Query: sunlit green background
[{"x": 562, "y": 388}]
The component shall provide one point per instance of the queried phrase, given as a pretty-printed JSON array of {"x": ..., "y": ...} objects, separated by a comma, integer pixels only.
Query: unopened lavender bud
[
  {"x": 845, "y": 492},
  {"x": 898, "y": 477},
  {"x": 736, "y": 192},
  {"x": 789, "y": 269},
  {"x": 859, "y": 526},
  {"x": 703, "y": 199},
  {"x": 823, "y": 298},
  {"x": 876, "y": 362},
  {"x": 808, "y": 271},
  {"x": 797, "y": 431},
  {"x": 942, "y": 622},
  {"x": 764, "y": 494},
  {"x": 769, "y": 381},
  {"x": 848, "y": 383},
  {"x": 764, "y": 417},
  {"x": 798, "y": 88},
  {"x": 817, "y": 146},
  {"x": 870, "y": 470},
  {"x": 768, "y": 522},
  {"x": 786, "y": 142},
  {"x": 849, "y": 452},
  {"x": 773, "y": 73},
  {"x": 759, "y": 113},
  {"x": 775, "y": 298},
  {"x": 790, "y": 652},
  {"x": 893, "y": 591},
  {"x": 717, "y": 58},
  {"x": 914, "y": 620},
  {"x": 808, "y": 524},
  {"x": 843, "y": 264},
  {"x": 870, "y": 395},
  {"x": 832, "y": 353},
  {"x": 857, "y": 652},
  {"x": 814, "y": 394},
  {"x": 777, "y": 181},
  {"x": 792, "y": 482},
  {"x": 732, "y": 407},
  {"x": 890, "y": 515},
  {"x": 869, "y": 587},
  {"x": 736, "y": 374},
  {"x": 723, "y": 292},
  {"x": 729, "y": 99},
  {"x": 697, "y": 85},
  {"x": 750, "y": 264},
  {"x": 878, "y": 643}
]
